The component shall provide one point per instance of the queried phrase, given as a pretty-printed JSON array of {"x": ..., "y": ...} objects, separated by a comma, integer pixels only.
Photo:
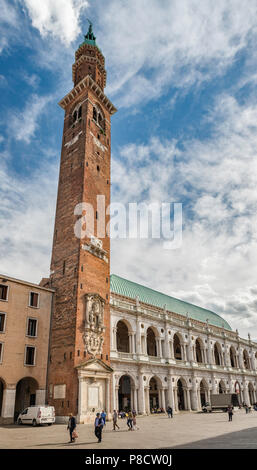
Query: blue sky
[{"x": 183, "y": 75}]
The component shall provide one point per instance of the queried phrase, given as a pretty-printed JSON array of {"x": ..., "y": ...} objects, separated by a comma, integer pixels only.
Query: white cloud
[
  {"x": 151, "y": 45},
  {"x": 216, "y": 180},
  {"x": 23, "y": 125},
  {"x": 59, "y": 18},
  {"x": 8, "y": 23},
  {"x": 27, "y": 213}
]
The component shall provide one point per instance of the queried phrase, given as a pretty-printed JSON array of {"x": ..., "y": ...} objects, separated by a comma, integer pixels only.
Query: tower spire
[{"x": 90, "y": 35}]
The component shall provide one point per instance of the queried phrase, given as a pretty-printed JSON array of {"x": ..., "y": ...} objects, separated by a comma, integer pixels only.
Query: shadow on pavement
[{"x": 245, "y": 439}]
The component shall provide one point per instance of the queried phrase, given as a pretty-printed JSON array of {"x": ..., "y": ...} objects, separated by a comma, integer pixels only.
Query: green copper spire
[{"x": 90, "y": 37}]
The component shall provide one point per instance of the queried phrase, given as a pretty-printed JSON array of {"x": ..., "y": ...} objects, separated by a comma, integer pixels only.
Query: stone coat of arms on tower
[{"x": 93, "y": 335}]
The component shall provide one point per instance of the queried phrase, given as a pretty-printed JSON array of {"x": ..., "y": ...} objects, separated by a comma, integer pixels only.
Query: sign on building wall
[
  {"x": 59, "y": 391},
  {"x": 93, "y": 396}
]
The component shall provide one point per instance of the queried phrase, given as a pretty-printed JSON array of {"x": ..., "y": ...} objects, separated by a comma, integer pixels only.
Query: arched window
[
  {"x": 232, "y": 354},
  {"x": 151, "y": 343},
  {"x": 80, "y": 112},
  {"x": 217, "y": 354},
  {"x": 177, "y": 348},
  {"x": 198, "y": 351},
  {"x": 246, "y": 360},
  {"x": 75, "y": 116},
  {"x": 122, "y": 337},
  {"x": 94, "y": 114}
]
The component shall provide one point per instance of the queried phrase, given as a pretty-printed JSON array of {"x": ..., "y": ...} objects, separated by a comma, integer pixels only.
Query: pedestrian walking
[
  {"x": 170, "y": 412},
  {"x": 103, "y": 416},
  {"x": 71, "y": 427},
  {"x": 230, "y": 413},
  {"x": 98, "y": 427},
  {"x": 130, "y": 421},
  {"x": 114, "y": 420},
  {"x": 246, "y": 409},
  {"x": 134, "y": 421}
]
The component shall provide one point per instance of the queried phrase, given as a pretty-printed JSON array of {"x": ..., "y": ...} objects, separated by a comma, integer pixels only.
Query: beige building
[{"x": 25, "y": 314}]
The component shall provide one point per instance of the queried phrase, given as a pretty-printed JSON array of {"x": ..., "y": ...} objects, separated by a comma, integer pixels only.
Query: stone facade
[
  {"x": 25, "y": 323},
  {"x": 211, "y": 359}
]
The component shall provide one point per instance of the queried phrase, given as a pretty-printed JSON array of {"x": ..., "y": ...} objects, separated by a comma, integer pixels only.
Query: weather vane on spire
[{"x": 90, "y": 35}]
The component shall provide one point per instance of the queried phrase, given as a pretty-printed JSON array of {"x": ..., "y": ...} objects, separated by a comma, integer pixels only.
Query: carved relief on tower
[{"x": 93, "y": 336}]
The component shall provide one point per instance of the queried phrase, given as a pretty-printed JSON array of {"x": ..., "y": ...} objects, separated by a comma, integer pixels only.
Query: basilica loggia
[{"x": 176, "y": 354}]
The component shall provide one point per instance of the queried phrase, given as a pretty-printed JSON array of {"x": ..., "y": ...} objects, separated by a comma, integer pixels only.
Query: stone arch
[
  {"x": 125, "y": 392},
  {"x": 25, "y": 394},
  {"x": 2, "y": 388},
  {"x": 123, "y": 329},
  {"x": 199, "y": 350},
  {"x": 155, "y": 386},
  {"x": 181, "y": 394},
  {"x": 151, "y": 341},
  {"x": 232, "y": 355},
  {"x": 177, "y": 346},
  {"x": 222, "y": 386},
  {"x": 251, "y": 393},
  {"x": 246, "y": 359},
  {"x": 204, "y": 392},
  {"x": 217, "y": 351}
]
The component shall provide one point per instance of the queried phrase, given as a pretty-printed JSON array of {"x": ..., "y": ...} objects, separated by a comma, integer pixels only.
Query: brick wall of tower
[{"x": 79, "y": 181}]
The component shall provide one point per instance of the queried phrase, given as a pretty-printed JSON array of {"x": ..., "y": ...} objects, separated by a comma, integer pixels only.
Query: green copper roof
[
  {"x": 90, "y": 37},
  {"x": 157, "y": 299}
]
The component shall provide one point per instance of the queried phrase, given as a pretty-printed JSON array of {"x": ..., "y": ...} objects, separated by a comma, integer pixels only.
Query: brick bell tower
[{"x": 79, "y": 374}]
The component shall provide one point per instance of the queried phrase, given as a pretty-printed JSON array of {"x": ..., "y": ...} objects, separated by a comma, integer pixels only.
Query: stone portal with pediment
[
  {"x": 94, "y": 328},
  {"x": 94, "y": 390}
]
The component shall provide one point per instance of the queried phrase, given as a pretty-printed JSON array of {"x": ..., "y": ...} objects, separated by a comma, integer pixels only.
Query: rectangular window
[
  {"x": 32, "y": 327},
  {"x": 33, "y": 299},
  {"x": 30, "y": 356},
  {"x": 2, "y": 322},
  {"x": 3, "y": 292},
  {"x": 1, "y": 352}
]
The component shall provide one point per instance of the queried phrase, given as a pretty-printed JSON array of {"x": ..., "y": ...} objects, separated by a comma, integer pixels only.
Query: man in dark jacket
[
  {"x": 71, "y": 426},
  {"x": 98, "y": 427},
  {"x": 170, "y": 412}
]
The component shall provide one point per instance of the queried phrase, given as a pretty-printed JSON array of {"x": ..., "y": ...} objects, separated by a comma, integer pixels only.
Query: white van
[{"x": 39, "y": 414}]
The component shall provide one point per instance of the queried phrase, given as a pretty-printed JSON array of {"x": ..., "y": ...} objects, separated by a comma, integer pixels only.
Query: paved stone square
[{"x": 185, "y": 430}]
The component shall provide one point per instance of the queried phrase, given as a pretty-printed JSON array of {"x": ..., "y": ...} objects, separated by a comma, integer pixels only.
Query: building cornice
[
  {"x": 88, "y": 83},
  {"x": 20, "y": 281}
]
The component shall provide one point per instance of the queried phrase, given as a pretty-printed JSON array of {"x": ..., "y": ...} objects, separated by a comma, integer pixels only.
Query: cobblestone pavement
[{"x": 185, "y": 430}]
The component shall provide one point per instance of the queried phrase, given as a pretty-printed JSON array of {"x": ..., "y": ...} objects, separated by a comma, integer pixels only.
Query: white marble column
[
  {"x": 147, "y": 400},
  {"x": 188, "y": 400},
  {"x": 166, "y": 345},
  {"x": 114, "y": 407},
  {"x": 80, "y": 399},
  {"x": 194, "y": 400},
  {"x": 107, "y": 397},
  {"x": 163, "y": 399},
  {"x": 170, "y": 393},
  {"x": 138, "y": 338},
  {"x": 160, "y": 347},
  {"x": 117, "y": 397},
  {"x": 246, "y": 395},
  {"x": 176, "y": 398},
  {"x": 141, "y": 395},
  {"x": 184, "y": 352},
  {"x": 135, "y": 400},
  {"x": 172, "y": 349},
  {"x": 241, "y": 361},
  {"x": 114, "y": 339},
  {"x": 209, "y": 352}
]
